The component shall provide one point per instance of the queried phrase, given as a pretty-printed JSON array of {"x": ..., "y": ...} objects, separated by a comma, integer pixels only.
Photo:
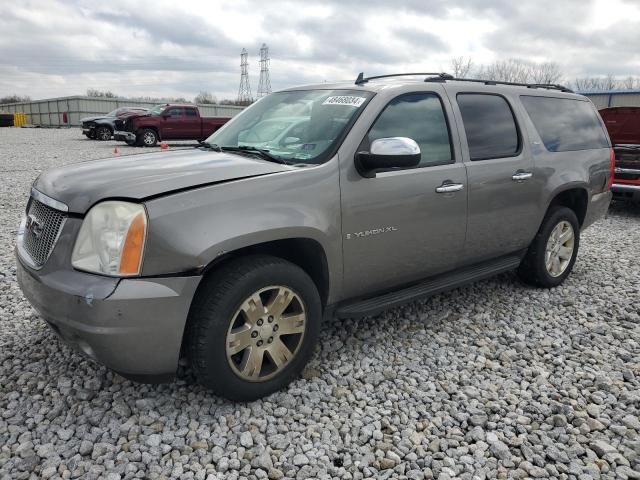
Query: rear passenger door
[{"x": 502, "y": 191}]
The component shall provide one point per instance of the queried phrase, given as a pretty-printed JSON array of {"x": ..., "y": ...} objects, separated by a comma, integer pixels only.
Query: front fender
[{"x": 189, "y": 230}]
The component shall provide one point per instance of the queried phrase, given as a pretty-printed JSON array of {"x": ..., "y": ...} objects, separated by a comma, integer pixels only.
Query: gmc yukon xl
[{"x": 380, "y": 192}]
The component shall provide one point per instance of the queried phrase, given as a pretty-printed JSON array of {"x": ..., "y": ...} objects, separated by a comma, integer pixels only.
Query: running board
[{"x": 427, "y": 288}]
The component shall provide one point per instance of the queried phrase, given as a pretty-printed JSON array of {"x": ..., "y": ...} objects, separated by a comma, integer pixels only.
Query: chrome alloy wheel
[
  {"x": 265, "y": 333},
  {"x": 559, "y": 249},
  {"x": 148, "y": 138}
]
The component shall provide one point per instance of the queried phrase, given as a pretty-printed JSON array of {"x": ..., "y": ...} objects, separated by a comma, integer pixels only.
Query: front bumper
[
  {"x": 124, "y": 135},
  {"x": 133, "y": 326}
]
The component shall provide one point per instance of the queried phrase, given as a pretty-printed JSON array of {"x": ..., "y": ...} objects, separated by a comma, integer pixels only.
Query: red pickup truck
[
  {"x": 167, "y": 122},
  {"x": 623, "y": 124}
]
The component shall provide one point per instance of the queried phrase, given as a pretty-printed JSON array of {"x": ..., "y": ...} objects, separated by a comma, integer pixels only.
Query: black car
[{"x": 101, "y": 127}]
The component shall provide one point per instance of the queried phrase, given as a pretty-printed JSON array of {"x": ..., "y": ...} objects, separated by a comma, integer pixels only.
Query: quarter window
[
  {"x": 565, "y": 124},
  {"x": 419, "y": 116},
  {"x": 490, "y": 126}
]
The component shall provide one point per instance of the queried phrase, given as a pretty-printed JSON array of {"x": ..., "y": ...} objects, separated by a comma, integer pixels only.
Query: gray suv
[{"x": 325, "y": 200}]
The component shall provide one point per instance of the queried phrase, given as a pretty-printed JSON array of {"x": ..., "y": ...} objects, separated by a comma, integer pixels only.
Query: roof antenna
[{"x": 360, "y": 78}]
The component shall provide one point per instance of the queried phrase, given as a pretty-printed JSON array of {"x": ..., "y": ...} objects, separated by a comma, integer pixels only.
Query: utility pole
[
  {"x": 264, "y": 86},
  {"x": 244, "y": 92}
]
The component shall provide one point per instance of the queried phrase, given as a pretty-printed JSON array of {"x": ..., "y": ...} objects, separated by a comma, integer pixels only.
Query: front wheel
[
  {"x": 253, "y": 327},
  {"x": 553, "y": 252},
  {"x": 148, "y": 137},
  {"x": 103, "y": 133}
]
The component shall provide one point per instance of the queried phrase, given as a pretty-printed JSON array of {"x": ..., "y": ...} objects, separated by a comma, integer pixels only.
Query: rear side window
[
  {"x": 490, "y": 126},
  {"x": 191, "y": 112},
  {"x": 565, "y": 124},
  {"x": 421, "y": 117}
]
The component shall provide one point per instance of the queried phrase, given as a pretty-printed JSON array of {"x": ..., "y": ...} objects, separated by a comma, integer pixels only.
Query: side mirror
[{"x": 385, "y": 153}]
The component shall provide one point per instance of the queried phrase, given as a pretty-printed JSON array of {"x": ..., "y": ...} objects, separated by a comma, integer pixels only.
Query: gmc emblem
[{"x": 34, "y": 226}]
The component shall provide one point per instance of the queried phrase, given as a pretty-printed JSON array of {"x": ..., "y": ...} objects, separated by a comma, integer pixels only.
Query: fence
[{"x": 67, "y": 111}]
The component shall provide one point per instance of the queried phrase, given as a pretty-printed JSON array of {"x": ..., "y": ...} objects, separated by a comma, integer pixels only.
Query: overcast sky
[{"x": 52, "y": 48}]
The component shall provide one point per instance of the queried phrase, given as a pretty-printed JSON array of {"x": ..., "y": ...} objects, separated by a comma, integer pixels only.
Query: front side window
[
  {"x": 421, "y": 117},
  {"x": 157, "y": 110},
  {"x": 565, "y": 124},
  {"x": 175, "y": 112},
  {"x": 191, "y": 112},
  {"x": 298, "y": 126},
  {"x": 490, "y": 126}
]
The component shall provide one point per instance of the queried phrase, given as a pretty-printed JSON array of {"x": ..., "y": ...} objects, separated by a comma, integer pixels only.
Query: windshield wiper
[
  {"x": 262, "y": 152},
  {"x": 211, "y": 146}
]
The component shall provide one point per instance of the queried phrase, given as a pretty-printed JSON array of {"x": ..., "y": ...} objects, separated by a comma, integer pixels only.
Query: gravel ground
[{"x": 496, "y": 380}]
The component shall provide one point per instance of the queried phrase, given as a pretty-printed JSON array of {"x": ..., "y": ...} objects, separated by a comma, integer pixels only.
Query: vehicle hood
[
  {"x": 93, "y": 119},
  {"x": 141, "y": 176}
]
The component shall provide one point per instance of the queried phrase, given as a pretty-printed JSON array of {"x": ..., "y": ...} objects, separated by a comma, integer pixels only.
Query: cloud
[{"x": 53, "y": 48}]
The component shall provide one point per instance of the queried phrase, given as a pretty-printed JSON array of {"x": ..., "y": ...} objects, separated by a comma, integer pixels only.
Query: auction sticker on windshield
[{"x": 348, "y": 100}]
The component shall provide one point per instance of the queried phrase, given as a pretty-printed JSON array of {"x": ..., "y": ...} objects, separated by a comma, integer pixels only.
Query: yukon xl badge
[{"x": 368, "y": 233}]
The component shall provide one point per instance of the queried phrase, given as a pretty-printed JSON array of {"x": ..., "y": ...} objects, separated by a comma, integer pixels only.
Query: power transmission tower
[
  {"x": 264, "y": 86},
  {"x": 244, "y": 92}
]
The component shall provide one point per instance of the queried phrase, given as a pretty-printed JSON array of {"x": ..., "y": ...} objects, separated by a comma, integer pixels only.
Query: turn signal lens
[{"x": 131, "y": 259}]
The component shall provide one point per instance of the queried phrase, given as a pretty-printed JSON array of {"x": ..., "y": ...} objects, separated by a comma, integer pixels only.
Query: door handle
[
  {"x": 520, "y": 176},
  {"x": 449, "y": 188}
]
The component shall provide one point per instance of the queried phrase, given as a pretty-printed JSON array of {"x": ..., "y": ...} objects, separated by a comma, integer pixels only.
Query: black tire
[
  {"x": 91, "y": 135},
  {"x": 533, "y": 269},
  {"x": 103, "y": 133},
  {"x": 131, "y": 142},
  {"x": 148, "y": 137},
  {"x": 218, "y": 299}
]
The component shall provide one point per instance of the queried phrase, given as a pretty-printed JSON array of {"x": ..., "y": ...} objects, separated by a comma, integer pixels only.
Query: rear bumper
[
  {"x": 123, "y": 135},
  {"x": 597, "y": 208},
  {"x": 133, "y": 326}
]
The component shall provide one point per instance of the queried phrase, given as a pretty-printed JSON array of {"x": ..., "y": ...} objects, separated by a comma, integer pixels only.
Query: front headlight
[{"x": 111, "y": 239}]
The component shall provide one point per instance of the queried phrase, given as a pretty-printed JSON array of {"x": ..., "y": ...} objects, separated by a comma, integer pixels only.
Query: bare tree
[
  {"x": 545, "y": 72},
  {"x": 205, "y": 98},
  {"x": 14, "y": 99},
  {"x": 92, "y": 92},
  {"x": 629, "y": 82},
  {"x": 461, "y": 66}
]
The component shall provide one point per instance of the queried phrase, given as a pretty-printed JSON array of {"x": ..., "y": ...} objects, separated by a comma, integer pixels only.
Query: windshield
[
  {"x": 157, "y": 110},
  {"x": 300, "y": 126}
]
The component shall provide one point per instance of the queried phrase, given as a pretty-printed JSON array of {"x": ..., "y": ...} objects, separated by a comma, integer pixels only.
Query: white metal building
[
  {"x": 67, "y": 111},
  {"x": 614, "y": 98}
]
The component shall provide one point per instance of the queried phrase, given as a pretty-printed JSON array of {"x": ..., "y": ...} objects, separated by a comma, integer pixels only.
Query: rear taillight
[{"x": 612, "y": 167}]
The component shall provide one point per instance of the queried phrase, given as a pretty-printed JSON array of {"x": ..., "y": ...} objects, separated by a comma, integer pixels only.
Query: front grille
[
  {"x": 627, "y": 176},
  {"x": 41, "y": 231}
]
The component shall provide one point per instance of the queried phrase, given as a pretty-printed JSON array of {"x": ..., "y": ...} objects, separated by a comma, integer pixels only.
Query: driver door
[{"x": 400, "y": 226}]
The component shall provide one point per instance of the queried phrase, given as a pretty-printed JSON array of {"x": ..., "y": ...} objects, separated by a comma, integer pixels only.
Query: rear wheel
[
  {"x": 253, "y": 326},
  {"x": 148, "y": 137},
  {"x": 553, "y": 252},
  {"x": 103, "y": 133}
]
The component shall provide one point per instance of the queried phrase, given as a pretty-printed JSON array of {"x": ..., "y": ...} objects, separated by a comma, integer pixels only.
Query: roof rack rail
[
  {"x": 550, "y": 86},
  {"x": 444, "y": 77},
  {"x": 362, "y": 79}
]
